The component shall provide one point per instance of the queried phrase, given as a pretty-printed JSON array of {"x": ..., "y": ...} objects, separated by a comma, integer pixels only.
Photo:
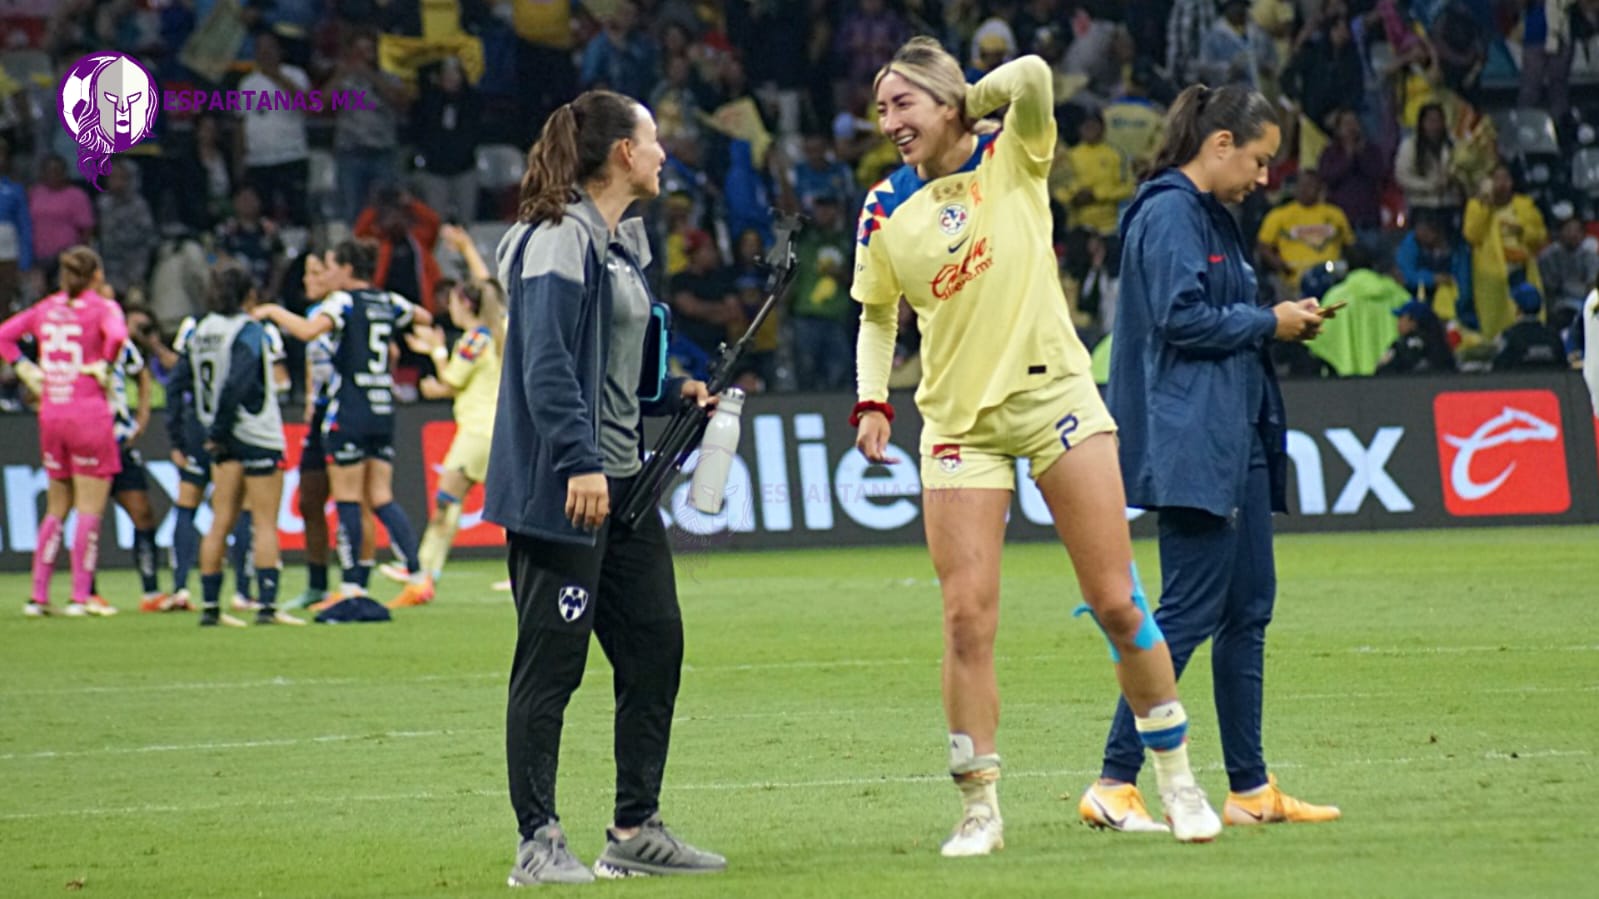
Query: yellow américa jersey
[
  {"x": 971, "y": 252},
  {"x": 474, "y": 372}
]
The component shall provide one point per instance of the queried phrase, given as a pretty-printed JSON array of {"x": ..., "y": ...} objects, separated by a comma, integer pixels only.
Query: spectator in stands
[
  {"x": 275, "y": 153},
  {"x": 1461, "y": 48},
  {"x": 1090, "y": 283},
  {"x": 545, "y": 76},
  {"x": 867, "y": 38},
  {"x": 854, "y": 129},
  {"x": 1354, "y": 342},
  {"x": 127, "y": 230},
  {"x": 1529, "y": 343},
  {"x": 704, "y": 303},
  {"x": 678, "y": 100},
  {"x": 16, "y": 239},
  {"x": 1325, "y": 73},
  {"x": 1424, "y": 165},
  {"x": 1422, "y": 346},
  {"x": 1354, "y": 170},
  {"x": 820, "y": 175},
  {"x": 993, "y": 45},
  {"x": 1506, "y": 231},
  {"x": 208, "y": 185},
  {"x": 1546, "y": 55},
  {"x": 1569, "y": 268},
  {"x": 254, "y": 242},
  {"x": 448, "y": 125},
  {"x": 1302, "y": 233},
  {"x": 1101, "y": 52},
  {"x": 1436, "y": 267},
  {"x": 1186, "y": 31},
  {"x": 1098, "y": 178},
  {"x": 1134, "y": 123},
  {"x": 622, "y": 57},
  {"x": 820, "y": 305},
  {"x": 365, "y": 137},
  {"x": 1236, "y": 50},
  {"x": 407, "y": 232},
  {"x": 1034, "y": 17},
  {"x": 62, "y": 215}
]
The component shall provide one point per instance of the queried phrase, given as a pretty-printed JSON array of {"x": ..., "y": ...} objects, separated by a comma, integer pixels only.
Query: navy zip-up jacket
[
  {"x": 1191, "y": 348},
  {"x": 557, "y": 348}
]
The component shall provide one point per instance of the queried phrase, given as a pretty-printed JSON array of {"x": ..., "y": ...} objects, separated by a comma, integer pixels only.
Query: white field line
[
  {"x": 798, "y": 665},
  {"x": 681, "y": 719},
  {"x": 427, "y": 796}
]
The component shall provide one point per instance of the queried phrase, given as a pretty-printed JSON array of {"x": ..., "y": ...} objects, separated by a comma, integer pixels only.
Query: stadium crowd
[{"x": 1436, "y": 172}]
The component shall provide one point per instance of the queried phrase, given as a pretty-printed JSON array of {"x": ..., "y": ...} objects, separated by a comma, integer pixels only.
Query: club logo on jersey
[
  {"x": 572, "y": 602},
  {"x": 955, "y": 276},
  {"x": 952, "y": 218},
  {"x": 948, "y": 456}
]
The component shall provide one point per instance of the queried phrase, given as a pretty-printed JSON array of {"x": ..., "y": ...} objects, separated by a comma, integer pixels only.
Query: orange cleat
[
  {"x": 1272, "y": 806},
  {"x": 416, "y": 593}
]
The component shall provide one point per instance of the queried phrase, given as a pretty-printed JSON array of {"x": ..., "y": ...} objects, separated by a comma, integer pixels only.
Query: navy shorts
[
  {"x": 350, "y": 448},
  {"x": 196, "y": 466},
  {"x": 257, "y": 461},
  {"x": 132, "y": 475}
]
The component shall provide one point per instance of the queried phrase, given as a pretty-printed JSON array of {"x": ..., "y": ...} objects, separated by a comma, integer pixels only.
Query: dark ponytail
[
  {"x": 231, "y": 285},
  {"x": 1201, "y": 111},
  {"x": 572, "y": 148}
]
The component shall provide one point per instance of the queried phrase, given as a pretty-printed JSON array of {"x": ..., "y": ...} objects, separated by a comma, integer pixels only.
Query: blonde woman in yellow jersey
[
  {"x": 962, "y": 232},
  {"x": 470, "y": 374}
]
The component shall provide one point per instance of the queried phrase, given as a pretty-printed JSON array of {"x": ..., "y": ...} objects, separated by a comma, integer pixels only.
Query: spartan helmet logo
[
  {"x": 108, "y": 104},
  {"x": 123, "y": 94}
]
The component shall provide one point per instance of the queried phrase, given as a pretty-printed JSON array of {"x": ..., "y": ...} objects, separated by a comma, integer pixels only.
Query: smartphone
[{"x": 1332, "y": 307}]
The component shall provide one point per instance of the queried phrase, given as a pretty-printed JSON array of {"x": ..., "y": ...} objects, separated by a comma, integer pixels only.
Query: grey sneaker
[
  {"x": 654, "y": 850},
  {"x": 545, "y": 859}
]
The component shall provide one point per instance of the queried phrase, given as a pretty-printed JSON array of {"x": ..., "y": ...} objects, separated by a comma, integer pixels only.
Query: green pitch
[{"x": 1441, "y": 687}]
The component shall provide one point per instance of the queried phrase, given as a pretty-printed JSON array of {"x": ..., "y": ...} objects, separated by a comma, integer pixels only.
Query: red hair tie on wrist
[{"x": 869, "y": 406}]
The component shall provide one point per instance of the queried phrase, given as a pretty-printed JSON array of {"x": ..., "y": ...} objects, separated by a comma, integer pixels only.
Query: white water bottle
[{"x": 717, "y": 450}]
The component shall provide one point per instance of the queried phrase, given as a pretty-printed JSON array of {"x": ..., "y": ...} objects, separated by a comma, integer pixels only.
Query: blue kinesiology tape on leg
[{"x": 1148, "y": 636}]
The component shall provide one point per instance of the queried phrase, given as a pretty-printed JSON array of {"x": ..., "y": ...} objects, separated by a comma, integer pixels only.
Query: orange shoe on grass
[
  {"x": 1271, "y": 805},
  {"x": 416, "y": 593}
]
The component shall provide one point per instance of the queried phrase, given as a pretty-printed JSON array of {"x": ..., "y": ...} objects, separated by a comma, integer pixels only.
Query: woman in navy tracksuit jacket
[
  {"x": 566, "y": 441},
  {"x": 1202, "y": 425}
]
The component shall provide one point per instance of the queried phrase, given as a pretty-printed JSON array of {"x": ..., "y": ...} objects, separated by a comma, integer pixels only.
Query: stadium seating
[
  {"x": 1585, "y": 171},
  {"x": 1526, "y": 132}
]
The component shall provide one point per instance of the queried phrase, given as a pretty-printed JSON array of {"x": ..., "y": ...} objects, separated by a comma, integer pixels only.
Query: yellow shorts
[
  {"x": 470, "y": 453},
  {"x": 1039, "y": 426}
]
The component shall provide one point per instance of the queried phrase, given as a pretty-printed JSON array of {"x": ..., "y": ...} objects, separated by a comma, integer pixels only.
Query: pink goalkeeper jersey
[{"x": 70, "y": 334}]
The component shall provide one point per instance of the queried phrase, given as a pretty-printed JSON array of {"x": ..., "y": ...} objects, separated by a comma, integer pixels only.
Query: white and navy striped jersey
[
  {"x": 125, "y": 372},
  {"x": 319, "y": 356}
]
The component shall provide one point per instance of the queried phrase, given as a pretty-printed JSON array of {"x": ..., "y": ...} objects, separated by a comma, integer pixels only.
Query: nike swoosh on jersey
[{"x": 959, "y": 243}]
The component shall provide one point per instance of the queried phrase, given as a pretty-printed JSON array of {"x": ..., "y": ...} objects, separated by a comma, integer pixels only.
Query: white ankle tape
[{"x": 963, "y": 758}]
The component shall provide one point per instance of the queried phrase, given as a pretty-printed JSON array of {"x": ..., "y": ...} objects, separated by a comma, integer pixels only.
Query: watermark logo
[{"x": 108, "y": 104}]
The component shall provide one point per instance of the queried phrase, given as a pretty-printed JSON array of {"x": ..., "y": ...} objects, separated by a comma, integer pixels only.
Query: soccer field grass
[{"x": 1440, "y": 686}]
